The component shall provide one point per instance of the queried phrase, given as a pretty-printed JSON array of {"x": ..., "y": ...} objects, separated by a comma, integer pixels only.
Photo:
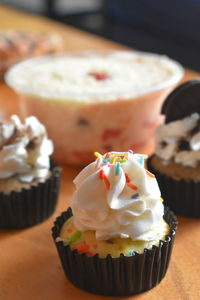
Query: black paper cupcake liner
[
  {"x": 30, "y": 206},
  {"x": 121, "y": 276},
  {"x": 182, "y": 196}
]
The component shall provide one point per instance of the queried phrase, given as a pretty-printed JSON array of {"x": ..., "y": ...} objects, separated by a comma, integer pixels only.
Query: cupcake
[
  {"x": 176, "y": 162},
  {"x": 109, "y": 99},
  {"x": 117, "y": 237},
  {"x": 29, "y": 182},
  {"x": 16, "y": 45}
]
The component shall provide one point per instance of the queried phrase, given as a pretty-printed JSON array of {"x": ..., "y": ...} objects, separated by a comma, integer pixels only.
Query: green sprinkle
[
  {"x": 74, "y": 237},
  {"x": 123, "y": 161},
  {"x": 117, "y": 169},
  {"x": 141, "y": 161}
]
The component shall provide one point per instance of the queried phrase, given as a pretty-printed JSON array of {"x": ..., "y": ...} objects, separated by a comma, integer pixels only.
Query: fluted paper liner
[
  {"x": 30, "y": 206},
  {"x": 121, "y": 276},
  {"x": 182, "y": 196}
]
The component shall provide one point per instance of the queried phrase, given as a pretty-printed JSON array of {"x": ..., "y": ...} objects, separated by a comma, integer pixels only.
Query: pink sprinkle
[{"x": 99, "y": 76}]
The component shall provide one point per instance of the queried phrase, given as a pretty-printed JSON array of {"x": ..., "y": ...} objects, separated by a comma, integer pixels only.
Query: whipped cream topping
[
  {"x": 179, "y": 141},
  {"x": 117, "y": 197},
  {"x": 94, "y": 77},
  {"x": 24, "y": 149}
]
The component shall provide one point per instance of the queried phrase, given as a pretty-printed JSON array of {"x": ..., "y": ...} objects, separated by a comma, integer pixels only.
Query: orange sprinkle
[
  {"x": 150, "y": 174},
  {"x": 127, "y": 178},
  {"x": 101, "y": 174},
  {"x": 132, "y": 186},
  {"x": 69, "y": 229},
  {"x": 90, "y": 254},
  {"x": 82, "y": 247},
  {"x": 107, "y": 183}
]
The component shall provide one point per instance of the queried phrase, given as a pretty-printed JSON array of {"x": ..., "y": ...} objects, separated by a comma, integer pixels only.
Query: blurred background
[{"x": 165, "y": 27}]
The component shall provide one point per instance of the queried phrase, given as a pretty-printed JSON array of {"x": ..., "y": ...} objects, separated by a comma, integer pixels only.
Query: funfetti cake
[{"x": 116, "y": 221}]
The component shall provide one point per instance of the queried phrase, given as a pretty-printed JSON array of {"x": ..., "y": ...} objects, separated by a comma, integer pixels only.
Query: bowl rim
[{"x": 176, "y": 68}]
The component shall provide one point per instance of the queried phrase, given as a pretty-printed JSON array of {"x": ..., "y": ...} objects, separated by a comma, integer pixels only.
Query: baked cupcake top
[
  {"x": 94, "y": 76},
  {"x": 117, "y": 197},
  {"x": 24, "y": 149}
]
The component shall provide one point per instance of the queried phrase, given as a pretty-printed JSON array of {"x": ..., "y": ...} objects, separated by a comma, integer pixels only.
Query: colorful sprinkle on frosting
[
  {"x": 106, "y": 159},
  {"x": 127, "y": 178},
  {"x": 103, "y": 177},
  {"x": 132, "y": 186},
  {"x": 135, "y": 196},
  {"x": 150, "y": 174},
  {"x": 118, "y": 159},
  {"x": 107, "y": 183},
  {"x": 117, "y": 169},
  {"x": 97, "y": 154},
  {"x": 141, "y": 161}
]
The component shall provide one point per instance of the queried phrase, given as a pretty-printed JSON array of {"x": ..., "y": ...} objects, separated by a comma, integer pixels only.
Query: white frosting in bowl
[
  {"x": 117, "y": 197},
  {"x": 24, "y": 149},
  {"x": 94, "y": 76}
]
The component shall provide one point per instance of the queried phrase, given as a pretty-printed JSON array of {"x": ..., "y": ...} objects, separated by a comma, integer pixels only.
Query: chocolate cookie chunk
[{"x": 183, "y": 101}]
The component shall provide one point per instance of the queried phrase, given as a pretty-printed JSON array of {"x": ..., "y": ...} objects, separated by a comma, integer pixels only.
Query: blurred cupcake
[
  {"x": 176, "y": 162},
  {"x": 28, "y": 182},
  {"x": 17, "y": 45},
  {"x": 117, "y": 238}
]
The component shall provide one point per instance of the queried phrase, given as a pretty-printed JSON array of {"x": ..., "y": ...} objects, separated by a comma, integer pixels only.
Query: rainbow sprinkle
[
  {"x": 97, "y": 154},
  {"x": 103, "y": 177},
  {"x": 117, "y": 169},
  {"x": 150, "y": 174},
  {"x": 141, "y": 161},
  {"x": 127, "y": 178},
  {"x": 106, "y": 159},
  {"x": 107, "y": 155},
  {"x": 123, "y": 161},
  {"x": 130, "y": 151},
  {"x": 135, "y": 196},
  {"x": 101, "y": 174},
  {"x": 114, "y": 159},
  {"x": 132, "y": 186},
  {"x": 107, "y": 183}
]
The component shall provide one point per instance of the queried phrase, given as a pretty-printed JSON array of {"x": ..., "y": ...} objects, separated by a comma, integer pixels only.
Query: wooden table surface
[{"x": 29, "y": 265}]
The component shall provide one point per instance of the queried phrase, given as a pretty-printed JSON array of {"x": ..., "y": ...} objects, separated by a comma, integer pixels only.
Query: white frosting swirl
[
  {"x": 179, "y": 141},
  {"x": 24, "y": 149},
  {"x": 126, "y": 203}
]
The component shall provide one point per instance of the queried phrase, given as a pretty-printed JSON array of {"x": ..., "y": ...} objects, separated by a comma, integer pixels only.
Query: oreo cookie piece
[{"x": 183, "y": 101}]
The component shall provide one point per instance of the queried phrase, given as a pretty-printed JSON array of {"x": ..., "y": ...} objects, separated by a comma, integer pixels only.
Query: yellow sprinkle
[
  {"x": 114, "y": 159},
  {"x": 97, "y": 154},
  {"x": 161, "y": 199}
]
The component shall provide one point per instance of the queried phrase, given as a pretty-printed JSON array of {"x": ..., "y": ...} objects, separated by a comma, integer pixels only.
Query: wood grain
[{"x": 29, "y": 266}]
